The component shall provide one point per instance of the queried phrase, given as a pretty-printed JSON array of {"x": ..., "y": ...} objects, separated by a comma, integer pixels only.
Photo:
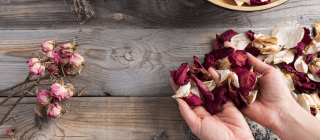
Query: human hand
[{"x": 229, "y": 123}]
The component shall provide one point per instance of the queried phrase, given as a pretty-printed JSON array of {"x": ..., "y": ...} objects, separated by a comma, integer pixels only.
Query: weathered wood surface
[
  {"x": 121, "y": 62},
  {"x": 116, "y": 118},
  {"x": 163, "y": 14}
]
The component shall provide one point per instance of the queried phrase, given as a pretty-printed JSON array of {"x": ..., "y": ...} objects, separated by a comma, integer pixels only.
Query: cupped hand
[{"x": 228, "y": 124}]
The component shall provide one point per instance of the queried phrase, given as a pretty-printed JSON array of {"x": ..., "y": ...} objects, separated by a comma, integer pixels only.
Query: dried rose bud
[
  {"x": 32, "y": 61},
  {"x": 37, "y": 69},
  {"x": 47, "y": 46},
  {"x": 70, "y": 89},
  {"x": 67, "y": 49},
  {"x": 314, "y": 66},
  {"x": 76, "y": 60},
  {"x": 44, "y": 97},
  {"x": 54, "y": 111},
  {"x": 10, "y": 131},
  {"x": 59, "y": 92},
  {"x": 53, "y": 69}
]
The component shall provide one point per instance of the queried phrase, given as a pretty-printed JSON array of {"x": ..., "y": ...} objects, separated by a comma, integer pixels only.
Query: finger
[
  {"x": 175, "y": 87},
  {"x": 186, "y": 112},
  {"x": 258, "y": 65},
  {"x": 215, "y": 76},
  {"x": 201, "y": 111},
  {"x": 229, "y": 44}
]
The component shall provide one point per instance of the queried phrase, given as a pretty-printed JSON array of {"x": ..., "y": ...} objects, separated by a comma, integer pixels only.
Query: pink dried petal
[
  {"x": 209, "y": 61},
  {"x": 214, "y": 106},
  {"x": 313, "y": 111},
  {"x": 306, "y": 40},
  {"x": 226, "y": 36},
  {"x": 247, "y": 80},
  {"x": 253, "y": 51},
  {"x": 37, "y": 69},
  {"x": 59, "y": 92},
  {"x": 202, "y": 88},
  {"x": 44, "y": 97},
  {"x": 193, "y": 100},
  {"x": 250, "y": 34},
  {"x": 10, "y": 132},
  {"x": 304, "y": 84},
  {"x": 238, "y": 58},
  {"x": 221, "y": 53},
  {"x": 309, "y": 57},
  {"x": 259, "y": 2},
  {"x": 32, "y": 61},
  {"x": 180, "y": 76}
]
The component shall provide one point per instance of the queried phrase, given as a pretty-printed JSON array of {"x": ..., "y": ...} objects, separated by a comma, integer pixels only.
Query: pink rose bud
[
  {"x": 44, "y": 97},
  {"x": 37, "y": 69},
  {"x": 47, "y": 46},
  {"x": 56, "y": 57},
  {"x": 32, "y": 61},
  {"x": 53, "y": 69},
  {"x": 54, "y": 111},
  {"x": 59, "y": 92},
  {"x": 67, "y": 49},
  {"x": 10, "y": 131},
  {"x": 76, "y": 60}
]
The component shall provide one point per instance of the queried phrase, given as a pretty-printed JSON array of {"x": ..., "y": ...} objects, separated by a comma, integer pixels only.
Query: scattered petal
[
  {"x": 286, "y": 56},
  {"x": 193, "y": 100},
  {"x": 304, "y": 42},
  {"x": 209, "y": 61},
  {"x": 313, "y": 77},
  {"x": 247, "y": 80},
  {"x": 211, "y": 85},
  {"x": 183, "y": 91},
  {"x": 241, "y": 41},
  {"x": 266, "y": 44},
  {"x": 238, "y": 58},
  {"x": 260, "y": 2},
  {"x": 224, "y": 64},
  {"x": 180, "y": 76},
  {"x": 252, "y": 96},
  {"x": 289, "y": 34},
  {"x": 300, "y": 65},
  {"x": 250, "y": 34},
  {"x": 214, "y": 106},
  {"x": 226, "y": 36},
  {"x": 253, "y": 51},
  {"x": 221, "y": 53},
  {"x": 314, "y": 65},
  {"x": 317, "y": 26},
  {"x": 313, "y": 47}
]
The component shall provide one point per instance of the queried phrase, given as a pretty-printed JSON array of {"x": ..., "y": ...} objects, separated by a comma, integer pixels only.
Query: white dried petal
[
  {"x": 303, "y": 103},
  {"x": 313, "y": 99},
  {"x": 224, "y": 75},
  {"x": 225, "y": 64},
  {"x": 314, "y": 46},
  {"x": 195, "y": 91},
  {"x": 235, "y": 79},
  {"x": 241, "y": 41},
  {"x": 317, "y": 26},
  {"x": 294, "y": 95},
  {"x": 318, "y": 115},
  {"x": 231, "y": 77},
  {"x": 266, "y": 44},
  {"x": 239, "y": 2},
  {"x": 183, "y": 91},
  {"x": 300, "y": 65},
  {"x": 252, "y": 96},
  {"x": 289, "y": 34},
  {"x": 313, "y": 77},
  {"x": 269, "y": 58},
  {"x": 210, "y": 85},
  {"x": 286, "y": 56}
]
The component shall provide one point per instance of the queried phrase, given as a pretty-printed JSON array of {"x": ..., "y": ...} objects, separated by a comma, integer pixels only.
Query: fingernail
[{"x": 176, "y": 102}]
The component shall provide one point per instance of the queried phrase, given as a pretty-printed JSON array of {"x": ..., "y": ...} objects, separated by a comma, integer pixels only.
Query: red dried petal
[
  {"x": 238, "y": 99},
  {"x": 214, "y": 106},
  {"x": 306, "y": 40},
  {"x": 304, "y": 84},
  {"x": 258, "y": 2},
  {"x": 221, "y": 53},
  {"x": 200, "y": 71},
  {"x": 193, "y": 100},
  {"x": 226, "y": 36},
  {"x": 309, "y": 57},
  {"x": 216, "y": 44},
  {"x": 250, "y": 34},
  {"x": 313, "y": 111},
  {"x": 202, "y": 88},
  {"x": 253, "y": 51},
  {"x": 238, "y": 58},
  {"x": 209, "y": 61},
  {"x": 196, "y": 61},
  {"x": 247, "y": 79},
  {"x": 289, "y": 67},
  {"x": 180, "y": 76}
]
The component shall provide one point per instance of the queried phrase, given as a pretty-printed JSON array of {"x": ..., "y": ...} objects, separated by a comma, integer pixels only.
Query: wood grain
[
  {"x": 141, "y": 14},
  {"x": 116, "y": 118},
  {"x": 121, "y": 62}
]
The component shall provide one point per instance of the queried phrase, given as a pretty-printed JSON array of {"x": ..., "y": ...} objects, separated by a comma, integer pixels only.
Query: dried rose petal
[
  {"x": 10, "y": 132},
  {"x": 300, "y": 65},
  {"x": 306, "y": 40},
  {"x": 317, "y": 26},
  {"x": 309, "y": 58},
  {"x": 260, "y": 2},
  {"x": 289, "y": 34},
  {"x": 193, "y": 100},
  {"x": 37, "y": 69},
  {"x": 289, "y": 67},
  {"x": 221, "y": 53},
  {"x": 54, "y": 111},
  {"x": 314, "y": 65},
  {"x": 286, "y": 56},
  {"x": 53, "y": 54},
  {"x": 216, "y": 44},
  {"x": 252, "y": 96},
  {"x": 44, "y": 97},
  {"x": 241, "y": 41},
  {"x": 209, "y": 61},
  {"x": 202, "y": 88},
  {"x": 266, "y": 44},
  {"x": 224, "y": 64},
  {"x": 313, "y": 77},
  {"x": 239, "y": 2},
  {"x": 313, "y": 47},
  {"x": 47, "y": 46},
  {"x": 59, "y": 92},
  {"x": 226, "y": 36},
  {"x": 67, "y": 49},
  {"x": 53, "y": 69},
  {"x": 238, "y": 58},
  {"x": 183, "y": 91},
  {"x": 250, "y": 34},
  {"x": 76, "y": 60},
  {"x": 211, "y": 85},
  {"x": 247, "y": 80},
  {"x": 214, "y": 106},
  {"x": 308, "y": 101},
  {"x": 197, "y": 62},
  {"x": 231, "y": 77},
  {"x": 180, "y": 76},
  {"x": 237, "y": 98},
  {"x": 304, "y": 84},
  {"x": 313, "y": 111},
  {"x": 303, "y": 103},
  {"x": 253, "y": 51}
]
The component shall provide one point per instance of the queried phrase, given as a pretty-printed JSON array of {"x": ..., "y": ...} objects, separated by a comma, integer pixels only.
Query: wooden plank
[
  {"x": 162, "y": 14},
  {"x": 116, "y": 118},
  {"x": 121, "y": 62}
]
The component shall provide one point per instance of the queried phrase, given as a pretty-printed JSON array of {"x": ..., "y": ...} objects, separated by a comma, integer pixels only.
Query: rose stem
[
  {"x": 15, "y": 104},
  {"x": 27, "y": 79}
]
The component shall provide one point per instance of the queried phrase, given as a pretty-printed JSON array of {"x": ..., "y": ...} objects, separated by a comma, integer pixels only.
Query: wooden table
[{"x": 129, "y": 59}]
